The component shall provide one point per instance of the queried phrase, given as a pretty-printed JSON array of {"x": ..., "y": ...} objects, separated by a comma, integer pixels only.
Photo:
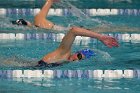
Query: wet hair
[{"x": 19, "y": 22}]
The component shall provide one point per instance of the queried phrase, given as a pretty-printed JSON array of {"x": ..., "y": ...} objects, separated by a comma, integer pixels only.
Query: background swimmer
[{"x": 40, "y": 19}]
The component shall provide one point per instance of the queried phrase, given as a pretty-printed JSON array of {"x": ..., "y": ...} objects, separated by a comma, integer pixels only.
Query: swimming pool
[{"x": 110, "y": 71}]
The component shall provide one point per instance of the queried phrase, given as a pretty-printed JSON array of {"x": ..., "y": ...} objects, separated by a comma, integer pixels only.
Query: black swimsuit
[{"x": 41, "y": 63}]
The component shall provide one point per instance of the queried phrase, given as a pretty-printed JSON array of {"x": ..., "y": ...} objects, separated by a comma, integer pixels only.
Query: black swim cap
[{"x": 19, "y": 22}]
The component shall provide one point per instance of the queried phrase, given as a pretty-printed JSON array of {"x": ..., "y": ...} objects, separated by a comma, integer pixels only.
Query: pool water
[
  {"x": 23, "y": 50},
  {"x": 73, "y": 85},
  {"x": 23, "y": 46},
  {"x": 130, "y": 4},
  {"x": 77, "y": 81}
]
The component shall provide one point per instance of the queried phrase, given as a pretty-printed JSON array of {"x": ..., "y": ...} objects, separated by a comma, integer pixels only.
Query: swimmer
[
  {"x": 40, "y": 20},
  {"x": 63, "y": 53}
]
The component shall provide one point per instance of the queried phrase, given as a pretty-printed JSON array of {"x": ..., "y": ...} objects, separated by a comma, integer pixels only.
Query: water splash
[
  {"x": 103, "y": 56},
  {"x": 15, "y": 61},
  {"x": 81, "y": 15}
]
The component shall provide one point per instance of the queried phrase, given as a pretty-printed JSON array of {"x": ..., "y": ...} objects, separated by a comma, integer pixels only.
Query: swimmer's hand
[{"x": 109, "y": 41}]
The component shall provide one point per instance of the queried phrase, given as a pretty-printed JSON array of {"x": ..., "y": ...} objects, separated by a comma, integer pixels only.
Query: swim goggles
[
  {"x": 79, "y": 56},
  {"x": 19, "y": 22}
]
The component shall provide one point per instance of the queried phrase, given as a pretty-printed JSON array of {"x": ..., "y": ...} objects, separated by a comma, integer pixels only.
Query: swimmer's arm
[
  {"x": 69, "y": 38},
  {"x": 63, "y": 52},
  {"x": 45, "y": 9},
  {"x": 67, "y": 41}
]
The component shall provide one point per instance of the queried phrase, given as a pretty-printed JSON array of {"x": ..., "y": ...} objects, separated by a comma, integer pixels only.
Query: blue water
[
  {"x": 27, "y": 51},
  {"x": 78, "y": 3},
  {"x": 40, "y": 85},
  {"x": 24, "y": 46}
]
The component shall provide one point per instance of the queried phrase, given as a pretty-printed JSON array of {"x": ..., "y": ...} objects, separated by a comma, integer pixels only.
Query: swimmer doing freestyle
[{"x": 63, "y": 53}]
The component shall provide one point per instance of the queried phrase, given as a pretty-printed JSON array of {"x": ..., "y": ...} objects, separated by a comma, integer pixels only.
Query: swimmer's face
[
  {"x": 21, "y": 22},
  {"x": 76, "y": 56}
]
